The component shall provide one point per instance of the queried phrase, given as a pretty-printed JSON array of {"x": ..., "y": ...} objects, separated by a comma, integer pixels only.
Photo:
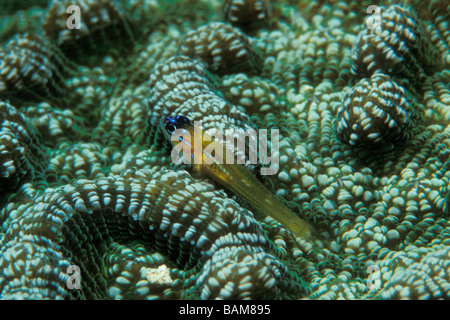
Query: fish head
[{"x": 169, "y": 125}]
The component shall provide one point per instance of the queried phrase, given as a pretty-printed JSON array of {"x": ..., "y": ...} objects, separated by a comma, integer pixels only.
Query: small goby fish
[{"x": 235, "y": 177}]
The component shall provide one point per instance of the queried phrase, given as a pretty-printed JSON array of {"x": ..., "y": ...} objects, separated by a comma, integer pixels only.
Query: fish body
[{"x": 234, "y": 177}]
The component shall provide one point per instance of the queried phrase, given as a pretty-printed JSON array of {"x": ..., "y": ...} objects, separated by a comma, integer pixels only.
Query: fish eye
[
  {"x": 171, "y": 124},
  {"x": 170, "y": 127}
]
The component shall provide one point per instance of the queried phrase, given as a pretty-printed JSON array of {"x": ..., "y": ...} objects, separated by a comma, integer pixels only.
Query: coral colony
[{"x": 93, "y": 207}]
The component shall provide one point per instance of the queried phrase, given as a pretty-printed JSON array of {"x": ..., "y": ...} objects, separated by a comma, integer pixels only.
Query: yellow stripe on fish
[{"x": 234, "y": 177}]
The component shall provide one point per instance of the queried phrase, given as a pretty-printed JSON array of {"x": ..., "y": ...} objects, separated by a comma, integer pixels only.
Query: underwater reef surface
[{"x": 92, "y": 207}]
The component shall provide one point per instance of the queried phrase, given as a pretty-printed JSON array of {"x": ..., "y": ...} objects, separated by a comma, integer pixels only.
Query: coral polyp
[
  {"x": 399, "y": 46},
  {"x": 248, "y": 15},
  {"x": 377, "y": 111},
  {"x": 224, "y": 49}
]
